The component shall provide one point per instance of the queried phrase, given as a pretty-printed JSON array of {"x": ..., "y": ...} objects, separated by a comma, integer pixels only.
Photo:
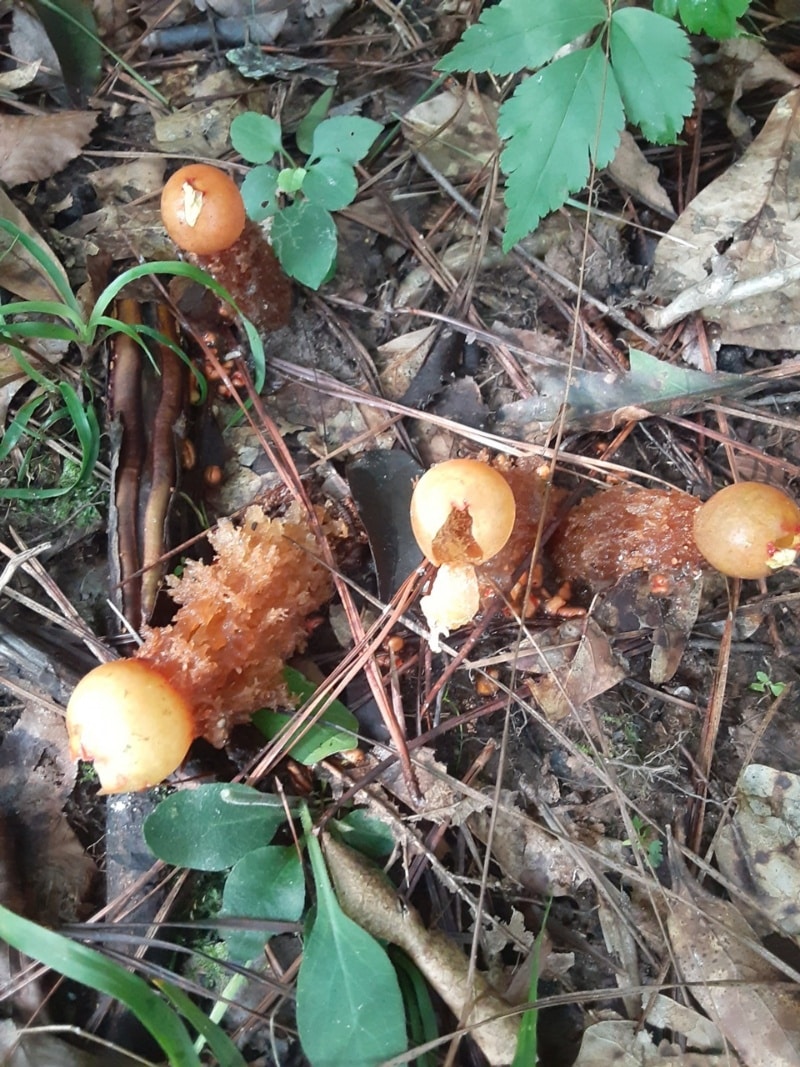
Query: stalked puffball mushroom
[
  {"x": 462, "y": 514},
  {"x": 204, "y": 214},
  {"x": 132, "y": 722},
  {"x": 748, "y": 530},
  {"x": 202, "y": 209}
]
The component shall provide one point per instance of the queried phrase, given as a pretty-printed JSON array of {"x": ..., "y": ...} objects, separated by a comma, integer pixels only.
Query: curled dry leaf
[
  {"x": 748, "y": 212},
  {"x": 368, "y": 898},
  {"x": 33, "y": 147}
]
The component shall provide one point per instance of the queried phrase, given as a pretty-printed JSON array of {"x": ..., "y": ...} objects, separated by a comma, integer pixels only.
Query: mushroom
[
  {"x": 462, "y": 514},
  {"x": 203, "y": 212}
]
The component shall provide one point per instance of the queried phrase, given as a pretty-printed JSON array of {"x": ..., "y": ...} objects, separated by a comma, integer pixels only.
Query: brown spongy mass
[
  {"x": 621, "y": 530},
  {"x": 240, "y": 618}
]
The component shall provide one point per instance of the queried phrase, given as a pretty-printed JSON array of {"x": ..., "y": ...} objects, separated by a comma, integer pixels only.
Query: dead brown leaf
[
  {"x": 622, "y": 1043},
  {"x": 760, "y": 850},
  {"x": 19, "y": 272},
  {"x": 751, "y": 212},
  {"x": 33, "y": 147},
  {"x": 717, "y": 951}
]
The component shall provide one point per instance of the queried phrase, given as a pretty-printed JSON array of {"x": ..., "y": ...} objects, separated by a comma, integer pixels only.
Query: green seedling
[
  {"x": 595, "y": 66},
  {"x": 300, "y": 198},
  {"x": 647, "y": 840},
  {"x": 764, "y": 684}
]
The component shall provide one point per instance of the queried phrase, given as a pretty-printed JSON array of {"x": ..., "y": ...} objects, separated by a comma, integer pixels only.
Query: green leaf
[
  {"x": 260, "y": 193},
  {"x": 349, "y": 1007},
  {"x": 226, "y": 1053},
  {"x": 313, "y": 117},
  {"x": 717, "y": 18},
  {"x": 71, "y": 27},
  {"x": 290, "y": 180},
  {"x": 304, "y": 239},
  {"x": 91, "y": 968},
  {"x": 555, "y": 121},
  {"x": 330, "y": 183},
  {"x": 655, "y": 78},
  {"x": 518, "y": 34},
  {"x": 527, "y": 1043},
  {"x": 267, "y": 883},
  {"x": 365, "y": 834},
  {"x": 334, "y": 732},
  {"x": 211, "y": 827},
  {"x": 669, "y": 8},
  {"x": 257, "y": 138},
  {"x": 348, "y": 137}
]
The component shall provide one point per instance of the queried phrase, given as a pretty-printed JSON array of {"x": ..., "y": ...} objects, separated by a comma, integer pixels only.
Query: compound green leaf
[
  {"x": 347, "y": 137},
  {"x": 518, "y": 34},
  {"x": 210, "y": 828},
  {"x": 556, "y": 121},
  {"x": 304, "y": 238},
  {"x": 257, "y": 138},
  {"x": 717, "y": 18},
  {"x": 331, "y": 183},
  {"x": 649, "y": 54},
  {"x": 267, "y": 883}
]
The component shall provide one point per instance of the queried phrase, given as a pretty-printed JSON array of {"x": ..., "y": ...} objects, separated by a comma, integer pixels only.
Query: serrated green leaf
[
  {"x": 349, "y": 1007},
  {"x": 518, "y": 34},
  {"x": 304, "y": 239},
  {"x": 348, "y": 137},
  {"x": 267, "y": 883},
  {"x": 260, "y": 192},
  {"x": 717, "y": 18},
  {"x": 555, "y": 122},
  {"x": 331, "y": 183},
  {"x": 210, "y": 828},
  {"x": 257, "y": 138},
  {"x": 649, "y": 54}
]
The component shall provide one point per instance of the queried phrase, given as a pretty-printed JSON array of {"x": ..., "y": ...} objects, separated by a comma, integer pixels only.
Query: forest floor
[{"x": 590, "y": 790}]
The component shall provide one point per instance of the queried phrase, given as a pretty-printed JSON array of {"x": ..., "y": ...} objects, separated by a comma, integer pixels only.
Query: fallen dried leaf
[
  {"x": 717, "y": 951},
  {"x": 33, "y": 147},
  {"x": 760, "y": 851}
]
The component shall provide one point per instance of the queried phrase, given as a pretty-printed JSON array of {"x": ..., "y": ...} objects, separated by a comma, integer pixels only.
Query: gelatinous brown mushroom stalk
[
  {"x": 462, "y": 514},
  {"x": 222, "y": 658},
  {"x": 623, "y": 529},
  {"x": 203, "y": 212}
]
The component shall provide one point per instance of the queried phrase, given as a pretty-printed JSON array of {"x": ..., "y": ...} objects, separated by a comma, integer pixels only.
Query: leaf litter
[{"x": 552, "y": 754}]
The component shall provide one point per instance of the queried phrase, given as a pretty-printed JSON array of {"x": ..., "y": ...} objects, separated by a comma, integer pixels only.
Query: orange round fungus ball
[
  {"x": 202, "y": 209},
  {"x": 748, "y": 530},
  {"x": 134, "y": 725},
  {"x": 462, "y": 511}
]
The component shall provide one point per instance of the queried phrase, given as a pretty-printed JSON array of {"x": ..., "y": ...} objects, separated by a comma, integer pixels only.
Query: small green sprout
[{"x": 764, "y": 683}]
